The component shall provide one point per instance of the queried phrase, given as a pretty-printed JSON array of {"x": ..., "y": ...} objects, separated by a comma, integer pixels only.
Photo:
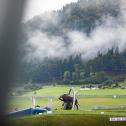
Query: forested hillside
[
  {"x": 74, "y": 70},
  {"x": 65, "y": 66}
]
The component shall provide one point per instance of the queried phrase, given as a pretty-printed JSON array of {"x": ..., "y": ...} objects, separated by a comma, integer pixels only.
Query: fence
[{"x": 86, "y": 102}]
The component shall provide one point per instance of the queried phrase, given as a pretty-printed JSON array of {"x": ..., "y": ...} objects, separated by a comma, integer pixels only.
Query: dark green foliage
[
  {"x": 99, "y": 77},
  {"x": 19, "y": 92},
  {"x": 105, "y": 69},
  {"x": 81, "y": 16},
  {"x": 32, "y": 87},
  {"x": 108, "y": 82},
  {"x": 85, "y": 16}
]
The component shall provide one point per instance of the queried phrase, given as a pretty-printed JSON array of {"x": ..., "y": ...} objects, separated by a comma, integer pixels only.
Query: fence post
[
  {"x": 33, "y": 101},
  {"x": 49, "y": 102}
]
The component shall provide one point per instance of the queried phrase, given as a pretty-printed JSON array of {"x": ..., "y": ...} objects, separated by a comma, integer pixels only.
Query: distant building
[{"x": 87, "y": 89}]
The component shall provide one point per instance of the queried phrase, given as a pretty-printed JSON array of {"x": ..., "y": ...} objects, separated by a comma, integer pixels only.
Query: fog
[{"x": 111, "y": 33}]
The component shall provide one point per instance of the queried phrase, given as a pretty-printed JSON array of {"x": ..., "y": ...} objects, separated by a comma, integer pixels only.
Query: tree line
[{"x": 73, "y": 70}]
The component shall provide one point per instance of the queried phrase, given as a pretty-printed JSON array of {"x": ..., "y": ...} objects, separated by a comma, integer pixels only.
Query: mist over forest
[{"x": 84, "y": 42}]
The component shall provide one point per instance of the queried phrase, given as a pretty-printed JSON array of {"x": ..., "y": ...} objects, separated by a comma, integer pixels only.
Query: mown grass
[
  {"x": 58, "y": 90},
  {"x": 16, "y": 103},
  {"x": 91, "y": 112},
  {"x": 71, "y": 119},
  {"x": 84, "y": 103}
]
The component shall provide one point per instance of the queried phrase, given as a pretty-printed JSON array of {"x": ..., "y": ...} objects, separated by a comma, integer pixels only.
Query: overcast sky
[{"x": 36, "y": 7}]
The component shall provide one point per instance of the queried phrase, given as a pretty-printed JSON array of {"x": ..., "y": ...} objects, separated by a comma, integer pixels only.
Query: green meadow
[
  {"x": 58, "y": 90},
  {"x": 74, "y": 118},
  {"x": 86, "y": 103},
  {"x": 85, "y": 116}
]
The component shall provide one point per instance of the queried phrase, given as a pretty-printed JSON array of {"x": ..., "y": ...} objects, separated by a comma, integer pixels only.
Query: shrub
[
  {"x": 32, "y": 87},
  {"x": 108, "y": 82}
]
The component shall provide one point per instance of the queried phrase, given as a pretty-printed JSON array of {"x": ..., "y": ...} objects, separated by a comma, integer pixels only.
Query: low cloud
[{"x": 40, "y": 44}]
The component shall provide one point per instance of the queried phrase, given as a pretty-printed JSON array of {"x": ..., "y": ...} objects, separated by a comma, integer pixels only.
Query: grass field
[
  {"x": 84, "y": 117},
  {"x": 87, "y": 103},
  {"x": 24, "y": 101},
  {"x": 58, "y": 90},
  {"x": 74, "y": 118}
]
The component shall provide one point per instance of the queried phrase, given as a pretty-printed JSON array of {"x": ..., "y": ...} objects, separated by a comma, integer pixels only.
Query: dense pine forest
[
  {"x": 107, "y": 66},
  {"x": 73, "y": 70}
]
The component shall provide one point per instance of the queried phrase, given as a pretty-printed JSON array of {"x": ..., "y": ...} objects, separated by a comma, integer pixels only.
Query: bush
[
  {"x": 19, "y": 92},
  {"x": 122, "y": 87},
  {"x": 108, "y": 82},
  {"x": 99, "y": 77},
  {"x": 106, "y": 86},
  {"x": 32, "y": 87},
  {"x": 113, "y": 86},
  {"x": 54, "y": 84}
]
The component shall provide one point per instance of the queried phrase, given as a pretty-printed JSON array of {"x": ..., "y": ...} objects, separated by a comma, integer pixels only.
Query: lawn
[
  {"x": 74, "y": 118},
  {"x": 24, "y": 101},
  {"x": 85, "y": 103},
  {"x": 84, "y": 117},
  {"x": 58, "y": 90}
]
